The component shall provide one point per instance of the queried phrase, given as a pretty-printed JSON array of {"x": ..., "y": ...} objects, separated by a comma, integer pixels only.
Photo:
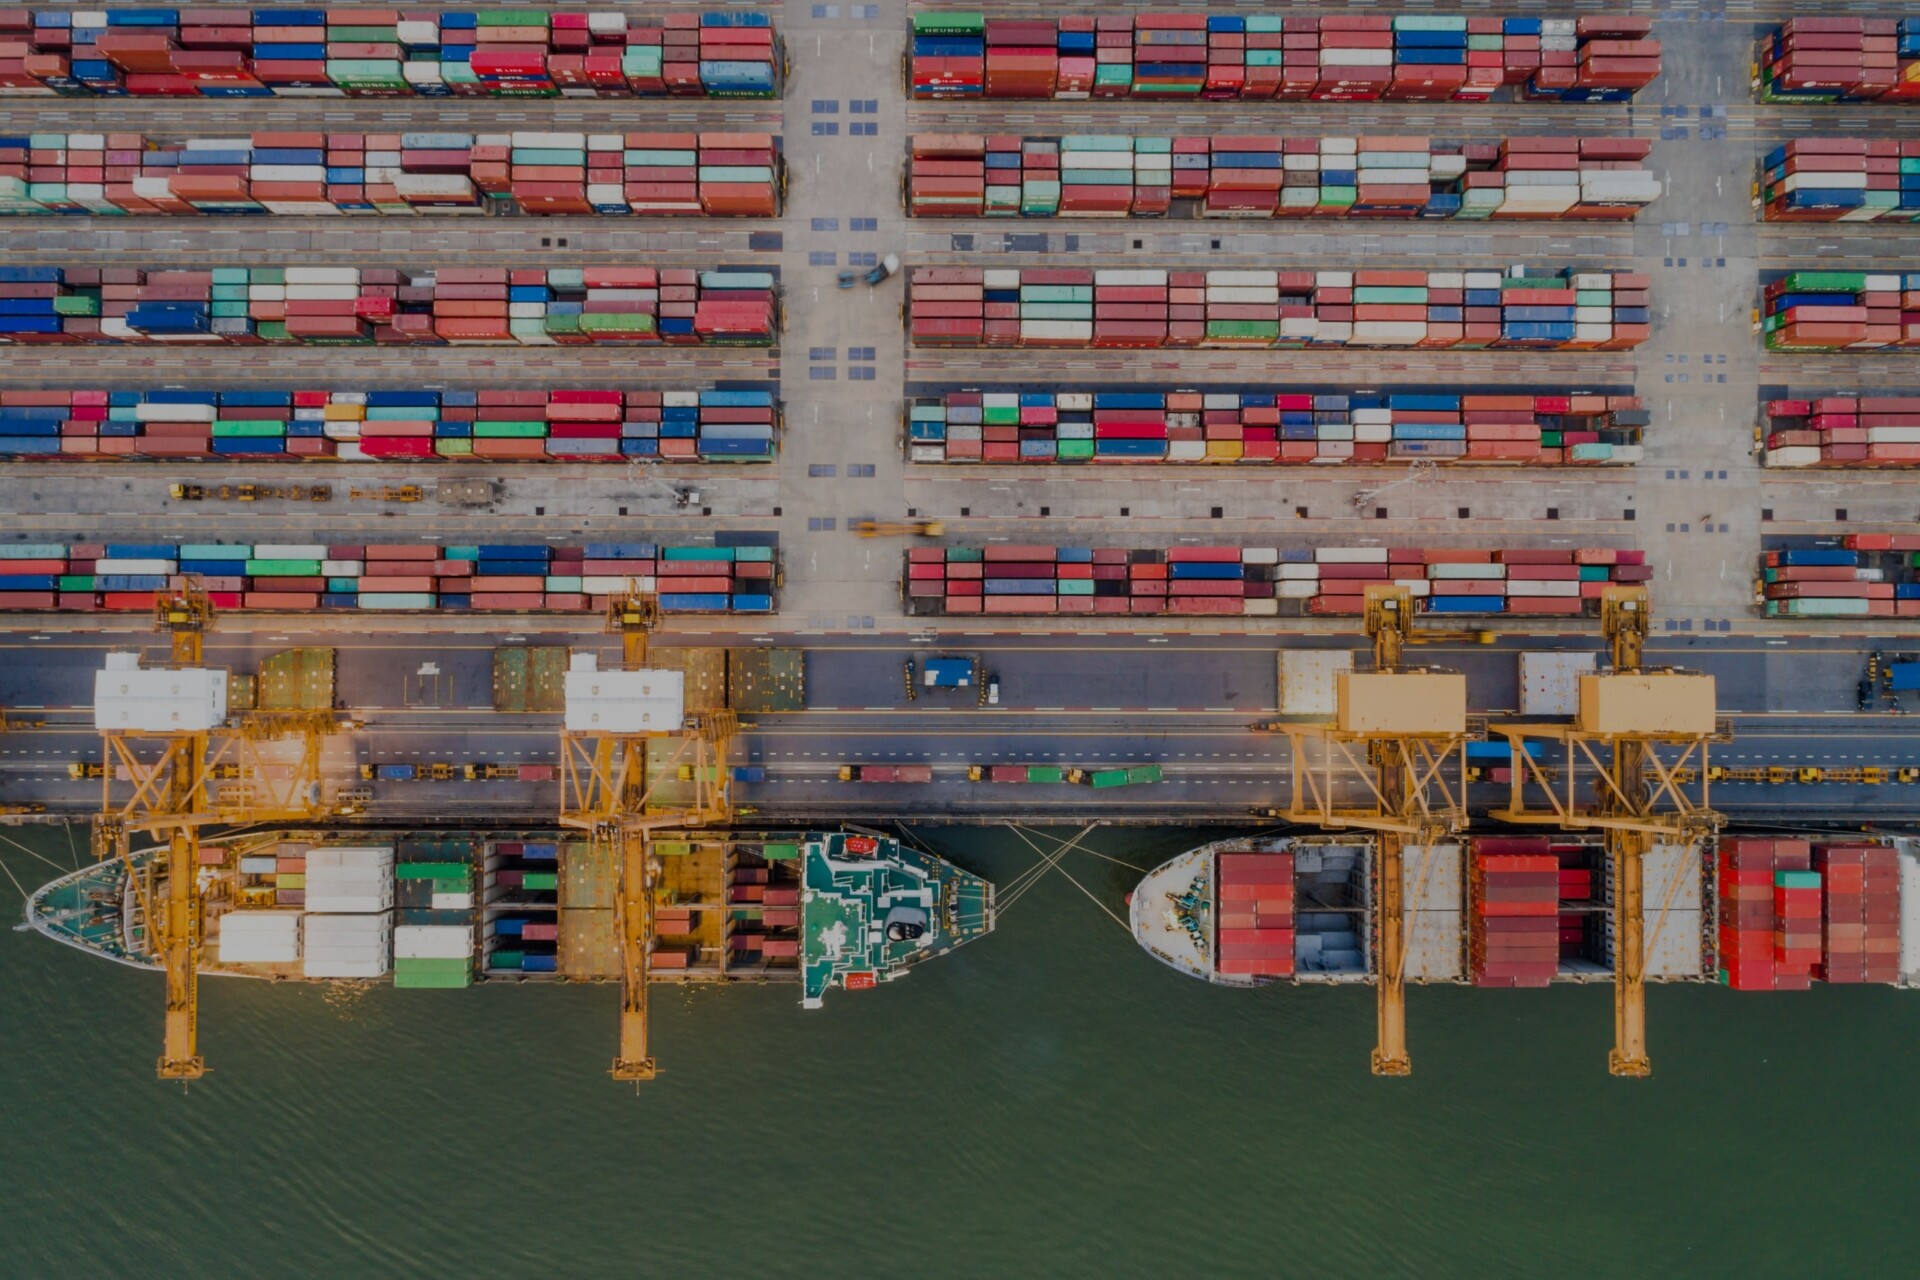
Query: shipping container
[
  {"x": 486, "y": 306},
  {"x": 1842, "y": 431},
  {"x": 717, "y": 424},
  {"x": 1856, "y": 575},
  {"x": 1519, "y": 309},
  {"x": 415, "y": 577},
  {"x": 1189, "y": 57},
  {"x": 1270, "y": 176},
  {"x": 1266, "y": 582},
  {"x": 1276, "y": 426},
  {"x": 1841, "y": 59},
  {"x": 384, "y": 53}
]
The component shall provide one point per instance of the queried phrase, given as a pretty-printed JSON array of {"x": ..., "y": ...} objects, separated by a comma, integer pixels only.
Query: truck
[
  {"x": 491, "y": 772},
  {"x": 1127, "y": 776},
  {"x": 886, "y": 773},
  {"x": 1015, "y": 773},
  {"x": 537, "y": 772},
  {"x": 950, "y": 673},
  {"x": 749, "y": 773},
  {"x": 389, "y": 772}
]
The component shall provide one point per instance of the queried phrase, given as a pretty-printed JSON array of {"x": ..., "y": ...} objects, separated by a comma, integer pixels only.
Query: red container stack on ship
[
  {"x": 1515, "y": 893},
  {"x": 1860, "y": 913},
  {"x": 1254, "y": 928}
]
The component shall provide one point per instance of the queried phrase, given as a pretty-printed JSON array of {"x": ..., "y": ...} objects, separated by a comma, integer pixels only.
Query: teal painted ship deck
[{"x": 847, "y": 895}]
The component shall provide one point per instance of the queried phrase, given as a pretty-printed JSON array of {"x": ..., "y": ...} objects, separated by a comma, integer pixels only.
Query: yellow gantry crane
[
  {"x": 1403, "y": 732},
  {"x": 182, "y": 707},
  {"x": 1615, "y": 781},
  {"x": 621, "y": 791}
]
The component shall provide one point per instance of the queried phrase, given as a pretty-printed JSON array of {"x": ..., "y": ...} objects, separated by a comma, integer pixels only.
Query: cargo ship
[
  {"x": 1750, "y": 912},
  {"x": 447, "y": 909}
]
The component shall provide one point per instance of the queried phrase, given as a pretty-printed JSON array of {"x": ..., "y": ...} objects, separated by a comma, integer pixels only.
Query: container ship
[
  {"x": 447, "y": 909},
  {"x": 1751, "y": 912}
]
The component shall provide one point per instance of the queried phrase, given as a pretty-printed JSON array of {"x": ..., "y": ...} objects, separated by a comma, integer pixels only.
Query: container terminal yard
[{"x": 538, "y": 495}]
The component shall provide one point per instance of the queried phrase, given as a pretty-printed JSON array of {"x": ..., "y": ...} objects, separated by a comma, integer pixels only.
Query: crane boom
[
  {"x": 608, "y": 789},
  {"x": 1634, "y": 796},
  {"x": 1415, "y": 768}
]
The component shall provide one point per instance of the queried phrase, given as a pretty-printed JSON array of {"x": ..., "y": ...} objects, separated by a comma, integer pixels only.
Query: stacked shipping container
[
  {"x": 1859, "y": 913},
  {"x": 1147, "y": 308},
  {"x": 227, "y": 52},
  {"x": 1262, "y": 176},
  {"x": 1841, "y": 60},
  {"x": 1284, "y": 427},
  {"x": 520, "y": 930},
  {"x": 1513, "y": 886},
  {"x": 1256, "y": 581},
  {"x": 1861, "y": 575},
  {"x": 564, "y": 306},
  {"x": 1844, "y": 431},
  {"x": 714, "y": 425},
  {"x": 645, "y": 174},
  {"x": 298, "y": 577},
  {"x": 1747, "y": 865},
  {"x": 1841, "y": 180},
  {"x": 1421, "y": 58},
  {"x": 1842, "y": 310},
  {"x": 1253, "y": 929}
]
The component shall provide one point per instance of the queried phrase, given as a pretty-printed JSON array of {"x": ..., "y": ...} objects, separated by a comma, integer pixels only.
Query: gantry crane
[
  {"x": 183, "y": 707},
  {"x": 1615, "y": 781},
  {"x": 1403, "y": 732},
  {"x": 611, "y": 789}
]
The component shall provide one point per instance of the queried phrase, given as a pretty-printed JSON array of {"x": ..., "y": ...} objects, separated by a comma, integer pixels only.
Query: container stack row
[
  {"x": 643, "y": 174},
  {"x": 1859, "y": 913},
  {"x": 1747, "y": 865},
  {"x": 1842, "y": 310},
  {"x": 354, "y": 426},
  {"x": 409, "y": 576},
  {"x": 1268, "y": 176},
  {"x": 1514, "y": 895},
  {"x": 435, "y": 909},
  {"x": 347, "y": 305},
  {"x": 1844, "y": 431},
  {"x": 1841, "y": 60},
  {"x": 481, "y": 306},
  {"x": 1841, "y": 180},
  {"x": 1274, "y": 426},
  {"x": 230, "y": 52},
  {"x": 348, "y": 924},
  {"x": 1254, "y": 933},
  {"x": 1860, "y": 575},
  {"x": 1149, "y": 308},
  {"x": 1361, "y": 58},
  {"x": 1257, "y": 581},
  {"x": 763, "y": 911},
  {"x": 521, "y": 895}
]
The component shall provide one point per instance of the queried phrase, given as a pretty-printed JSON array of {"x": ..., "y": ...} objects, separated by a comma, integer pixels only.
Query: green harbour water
[{"x": 1049, "y": 1102}]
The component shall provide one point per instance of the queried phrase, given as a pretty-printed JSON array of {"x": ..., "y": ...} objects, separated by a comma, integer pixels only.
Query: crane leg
[
  {"x": 633, "y": 918},
  {"x": 1390, "y": 1057},
  {"x": 1629, "y": 1055},
  {"x": 180, "y": 1058}
]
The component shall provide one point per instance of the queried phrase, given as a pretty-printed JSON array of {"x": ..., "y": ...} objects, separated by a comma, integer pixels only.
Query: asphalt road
[{"x": 1186, "y": 703}]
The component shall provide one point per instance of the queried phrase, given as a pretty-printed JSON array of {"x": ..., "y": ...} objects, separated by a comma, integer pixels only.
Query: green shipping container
[
  {"x": 540, "y": 880},
  {"x": 780, "y": 852},
  {"x": 432, "y": 871},
  {"x": 1045, "y": 773},
  {"x": 283, "y": 568},
  {"x": 441, "y": 974}
]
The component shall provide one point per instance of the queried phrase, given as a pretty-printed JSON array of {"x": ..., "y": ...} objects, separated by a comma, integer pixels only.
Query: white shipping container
[
  {"x": 174, "y": 413},
  {"x": 1124, "y": 278},
  {"x": 1259, "y": 555},
  {"x": 1883, "y": 283},
  {"x": 1333, "y": 279},
  {"x": 1296, "y": 590},
  {"x": 432, "y": 941},
  {"x": 136, "y": 566},
  {"x": 1242, "y": 279},
  {"x": 1389, "y": 333},
  {"x": 1475, "y": 572},
  {"x": 1350, "y": 555},
  {"x": 1542, "y": 587},
  {"x": 1893, "y": 435},
  {"x": 1001, "y": 278},
  {"x": 549, "y": 141},
  {"x": 323, "y": 275},
  {"x": 1356, "y": 57},
  {"x": 259, "y": 937},
  {"x": 453, "y": 902},
  {"x": 1056, "y": 330},
  {"x": 297, "y": 551}
]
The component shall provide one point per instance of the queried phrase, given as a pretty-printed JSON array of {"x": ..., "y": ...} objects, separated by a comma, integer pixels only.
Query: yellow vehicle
[
  {"x": 920, "y": 528},
  {"x": 186, "y": 492},
  {"x": 80, "y": 770},
  {"x": 440, "y": 771},
  {"x": 490, "y": 772},
  {"x": 389, "y": 493}
]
